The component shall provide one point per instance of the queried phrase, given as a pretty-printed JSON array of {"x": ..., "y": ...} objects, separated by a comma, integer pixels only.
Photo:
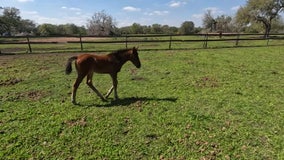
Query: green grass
[{"x": 185, "y": 104}]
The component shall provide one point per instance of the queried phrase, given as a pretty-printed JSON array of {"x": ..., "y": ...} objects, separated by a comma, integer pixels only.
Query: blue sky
[{"x": 125, "y": 12}]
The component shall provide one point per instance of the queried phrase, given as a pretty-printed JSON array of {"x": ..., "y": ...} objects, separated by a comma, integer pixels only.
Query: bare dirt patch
[
  {"x": 30, "y": 95},
  {"x": 207, "y": 82},
  {"x": 11, "y": 81},
  {"x": 35, "y": 95},
  {"x": 135, "y": 77},
  {"x": 76, "y": 122}
]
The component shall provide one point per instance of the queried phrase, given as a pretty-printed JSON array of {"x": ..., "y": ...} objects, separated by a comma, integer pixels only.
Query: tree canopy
[
  {"x": 187, "y": 27},
  {"x": 10, "y": 20},
  {"x": 263, "y": 11},
  {"x": 101, "y": 24}
]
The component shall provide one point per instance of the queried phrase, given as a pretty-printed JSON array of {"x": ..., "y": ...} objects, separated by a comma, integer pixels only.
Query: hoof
[
  {"x": 74, "y": 102},
  {"x": 106, "y": 96},
  {"x": 103, "y": 99}
]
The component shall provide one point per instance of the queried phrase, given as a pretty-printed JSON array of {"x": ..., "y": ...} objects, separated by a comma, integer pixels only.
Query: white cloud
[
  {"x": 131, "y": 9},
  {"x": 78, "y": 18},
  {"x": 214, "y": 10},
  {"x": 75, "y": 9},
  {"x": 71, "y": 9},
  {"x": 197, "y": 18},
  {"x": 30, "y": 12},
  {"x": 33, "y": 15},
  {"x": 25, "y": 1},
  {"x": 176, "y": 4},
  {"x": 157, "y": 13},
  {"x": 235, "y": 8}
]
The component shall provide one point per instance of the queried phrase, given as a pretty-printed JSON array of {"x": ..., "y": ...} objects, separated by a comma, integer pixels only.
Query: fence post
[
  {"x": 29, "y": 44},
  {"x": 170, "y": 45},
  {"x": 126, "y": 39},
  {"x": 268, "y": 40},
  {"x": 205, "y": 41},
  {"x": 81, "y": 43},
  {"x": 238, "y": 38}
]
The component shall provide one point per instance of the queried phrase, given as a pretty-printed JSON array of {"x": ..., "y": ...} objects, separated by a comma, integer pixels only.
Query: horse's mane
[{"x": 118, "y": 52}]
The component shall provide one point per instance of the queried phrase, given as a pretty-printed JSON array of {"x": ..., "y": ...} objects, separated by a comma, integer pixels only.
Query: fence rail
[{"x": 28, "y": 44}]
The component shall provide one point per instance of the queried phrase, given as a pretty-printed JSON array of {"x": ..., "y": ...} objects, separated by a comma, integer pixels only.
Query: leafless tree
[{"x": 101, "y": 24}]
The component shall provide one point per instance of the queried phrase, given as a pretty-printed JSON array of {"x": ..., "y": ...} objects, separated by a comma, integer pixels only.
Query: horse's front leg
[
  {"x": 114, "y": 86},
  {"x": 109, "y": 92}
]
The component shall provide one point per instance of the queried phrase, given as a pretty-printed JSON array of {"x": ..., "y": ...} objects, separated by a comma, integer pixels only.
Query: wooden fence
[{"x": 28, "y": 44}]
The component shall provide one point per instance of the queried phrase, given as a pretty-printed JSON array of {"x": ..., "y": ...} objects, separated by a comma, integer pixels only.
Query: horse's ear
[{"x": 135, "y": 48}]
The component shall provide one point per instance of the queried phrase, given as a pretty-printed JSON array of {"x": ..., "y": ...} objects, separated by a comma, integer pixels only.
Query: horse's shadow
[{"x": 130, "y": 100}]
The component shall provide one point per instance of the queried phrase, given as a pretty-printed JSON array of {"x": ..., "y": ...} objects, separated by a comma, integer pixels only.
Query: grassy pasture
[{"x": 184, "y": 104}]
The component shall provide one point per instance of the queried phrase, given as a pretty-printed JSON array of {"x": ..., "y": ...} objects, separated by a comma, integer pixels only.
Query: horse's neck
[{"x": 121, "y": 59}]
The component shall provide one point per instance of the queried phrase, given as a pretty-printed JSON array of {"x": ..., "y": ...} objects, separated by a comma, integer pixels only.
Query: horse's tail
[{"x": 68, "y": 69}]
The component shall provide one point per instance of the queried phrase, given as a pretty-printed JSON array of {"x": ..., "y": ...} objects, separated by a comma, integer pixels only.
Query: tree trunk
[
  {"x": 267, "y": 25},
  {"x": 267, "y": 29}
]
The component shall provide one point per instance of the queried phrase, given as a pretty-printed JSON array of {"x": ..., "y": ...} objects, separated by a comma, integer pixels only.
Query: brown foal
[{"x": 87, "y": 64}]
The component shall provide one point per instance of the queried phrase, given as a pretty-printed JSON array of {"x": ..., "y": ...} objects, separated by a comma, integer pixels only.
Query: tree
[
  {"x": 263, "y": 11},
  {"x": 224, "y": 23},
  {"x": 136, "y": 28},
  {"x": 12, "y": 23},
  {"x": 10, "y": 20},
  {"x": 156, "y": 29},
  {"x": 68, "y": 29},
  {"x": 27, "y": 26},
  {"x": 101, "y": 24},
  {"x": 173, "y": 30},
  {"x": 187, "y": 27},
  {"x": 209, "y": 22},
  {"x": 47, "y": 30},
  {"x": 166, "y": 29}
]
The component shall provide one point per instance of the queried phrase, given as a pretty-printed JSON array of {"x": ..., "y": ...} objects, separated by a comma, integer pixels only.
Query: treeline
[
  {"x": 101, "y": 24},
  {"x": 255, "y": 17},
  {"x": 187, "y": 27},
  {"x": 59, "y": 30},
  {"x": 11, "y": 23}
]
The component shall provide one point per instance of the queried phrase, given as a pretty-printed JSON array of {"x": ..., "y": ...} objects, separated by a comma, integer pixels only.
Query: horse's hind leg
[
  {"x": 90, "y": 84},
  {"x": 114, "y": 81},
  {"x": 75, "y": 87}
]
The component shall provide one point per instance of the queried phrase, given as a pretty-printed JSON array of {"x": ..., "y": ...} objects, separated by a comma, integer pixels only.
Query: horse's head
[{"x": 134, "y": 57}]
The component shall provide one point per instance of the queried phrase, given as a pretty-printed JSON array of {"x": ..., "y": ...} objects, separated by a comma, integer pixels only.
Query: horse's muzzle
[{"x": 138, "y": 66}]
